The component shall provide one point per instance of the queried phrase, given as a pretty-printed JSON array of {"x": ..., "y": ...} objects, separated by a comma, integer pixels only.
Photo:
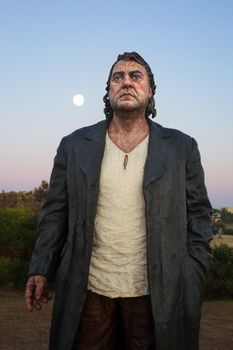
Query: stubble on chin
[
  {"x": 125, "y": 111},
  {"x": 128, "y": 111}
]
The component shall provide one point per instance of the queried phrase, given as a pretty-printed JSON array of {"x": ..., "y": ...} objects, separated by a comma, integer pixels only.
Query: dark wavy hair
[{"x": 132, "y": 56}]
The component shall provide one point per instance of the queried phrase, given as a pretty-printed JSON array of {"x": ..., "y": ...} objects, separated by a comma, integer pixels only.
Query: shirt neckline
[{"x": 145, "y": 140}]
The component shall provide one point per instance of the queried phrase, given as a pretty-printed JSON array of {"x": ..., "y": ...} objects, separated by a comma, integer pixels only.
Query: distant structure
[
  {"x": 216, "y": 224},
  {"x": 216, "y": 217},
  {"x": 230, "y": 210}
]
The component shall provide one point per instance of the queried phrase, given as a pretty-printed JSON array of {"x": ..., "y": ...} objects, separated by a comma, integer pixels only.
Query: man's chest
[{"x": 129, "y": 143}]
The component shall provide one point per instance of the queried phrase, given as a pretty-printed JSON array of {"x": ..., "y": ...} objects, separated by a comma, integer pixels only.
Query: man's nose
[{"x": 127, "y": 80}]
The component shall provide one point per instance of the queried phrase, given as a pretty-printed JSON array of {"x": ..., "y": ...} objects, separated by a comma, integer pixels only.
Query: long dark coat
[{"x": 178, "y": 231}]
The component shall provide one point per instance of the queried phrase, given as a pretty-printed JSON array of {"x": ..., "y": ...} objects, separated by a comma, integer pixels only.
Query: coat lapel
[
  {"x": 159, "y": 153},
  {"x": 91, "y": 155}
]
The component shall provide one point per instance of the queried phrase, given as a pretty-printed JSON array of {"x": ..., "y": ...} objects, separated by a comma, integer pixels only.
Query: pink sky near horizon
[{"x": 219, "y": 189}]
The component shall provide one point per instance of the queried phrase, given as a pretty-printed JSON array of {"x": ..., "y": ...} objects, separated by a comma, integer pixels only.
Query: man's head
[{"x": 130, "y": 84}]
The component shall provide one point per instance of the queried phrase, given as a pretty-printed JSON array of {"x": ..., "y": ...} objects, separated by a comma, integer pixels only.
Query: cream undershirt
[{"x": 118, "y": 265}]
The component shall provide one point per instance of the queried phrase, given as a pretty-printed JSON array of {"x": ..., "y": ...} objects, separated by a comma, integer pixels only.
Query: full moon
[{"x": 78, "y": 100}]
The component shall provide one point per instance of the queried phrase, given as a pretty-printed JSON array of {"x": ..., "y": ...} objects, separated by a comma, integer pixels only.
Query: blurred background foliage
[{"x": 19, "y": 213}]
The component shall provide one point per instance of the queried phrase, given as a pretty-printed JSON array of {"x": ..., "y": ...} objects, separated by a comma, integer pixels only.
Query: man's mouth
[{"x": 126, "y": 94}]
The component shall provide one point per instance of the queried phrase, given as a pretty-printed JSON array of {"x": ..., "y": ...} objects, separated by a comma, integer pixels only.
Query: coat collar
[
  {"x": 160, "y": 151},
  {"x": 93, "y": 151}
]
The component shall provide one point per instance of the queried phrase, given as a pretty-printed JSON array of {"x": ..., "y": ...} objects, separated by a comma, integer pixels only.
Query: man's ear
[{"x": 150, "y": 91}]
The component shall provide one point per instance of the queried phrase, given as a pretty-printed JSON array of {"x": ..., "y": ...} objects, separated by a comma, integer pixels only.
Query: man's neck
[
  {"x": 127, "y": 133},
  {"x": 129, "y": 125}
]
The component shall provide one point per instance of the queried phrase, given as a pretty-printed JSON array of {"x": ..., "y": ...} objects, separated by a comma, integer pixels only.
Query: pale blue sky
[{"x": 51, "y": 50}]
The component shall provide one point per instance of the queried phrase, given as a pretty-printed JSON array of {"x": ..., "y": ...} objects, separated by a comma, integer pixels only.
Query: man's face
[{"x": 129, "y": 87}]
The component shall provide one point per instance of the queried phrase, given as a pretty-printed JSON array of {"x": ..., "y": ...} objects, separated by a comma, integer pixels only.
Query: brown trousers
[{"x": 115, "y": 324}]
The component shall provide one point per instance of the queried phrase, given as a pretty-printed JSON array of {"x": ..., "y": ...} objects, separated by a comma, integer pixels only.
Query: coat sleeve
[
  {"x": 52, "y": 227},
  {"x": 199, "y": 229}
]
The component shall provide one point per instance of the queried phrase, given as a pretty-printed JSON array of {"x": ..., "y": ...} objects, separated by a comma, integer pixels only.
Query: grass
[{"x": 229, "y": 226}]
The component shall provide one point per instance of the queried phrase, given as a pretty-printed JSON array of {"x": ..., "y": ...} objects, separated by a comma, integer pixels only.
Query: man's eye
[
  {"x": 136, "y": 76},
  {"x": 117, "y": 78}
]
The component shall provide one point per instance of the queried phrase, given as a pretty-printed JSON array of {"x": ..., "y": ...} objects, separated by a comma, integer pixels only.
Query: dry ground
[
  {"x": 21, "y": 330},
  {"x": 224, "y": 239}
]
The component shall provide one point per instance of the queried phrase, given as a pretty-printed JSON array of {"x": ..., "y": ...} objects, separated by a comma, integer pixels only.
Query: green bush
[
  {"x": 13, "y": 272},
  {"x": 220, "y": 275},
  {"x": 17, "y": 228},
  {"x": 228, "y": 231}
]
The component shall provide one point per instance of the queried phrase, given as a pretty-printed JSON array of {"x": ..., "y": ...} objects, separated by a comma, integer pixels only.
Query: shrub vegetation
[
  {"x": 219, "y": 283},
  {"x": 18, "y": 229},
  {"x": 18, "y": 222},
  {"x": 13, "y": 272}
]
